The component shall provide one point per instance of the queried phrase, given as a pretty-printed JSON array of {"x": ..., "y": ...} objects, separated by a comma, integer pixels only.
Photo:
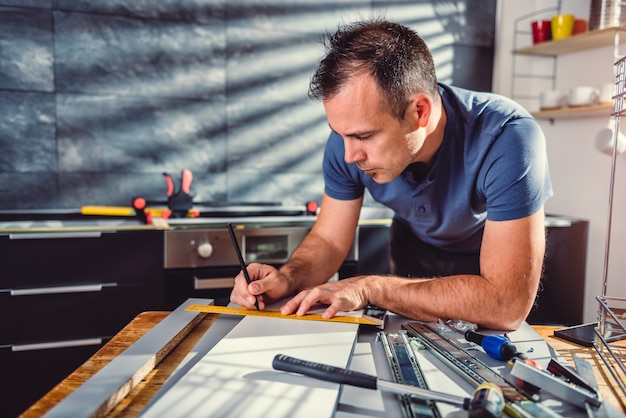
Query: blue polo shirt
[{"x": 492, "y": 164}]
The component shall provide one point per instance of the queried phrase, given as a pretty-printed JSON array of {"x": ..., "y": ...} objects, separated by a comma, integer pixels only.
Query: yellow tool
[
  {"x": 367, "y": 320},
  {"x": 107, "y": 210}
]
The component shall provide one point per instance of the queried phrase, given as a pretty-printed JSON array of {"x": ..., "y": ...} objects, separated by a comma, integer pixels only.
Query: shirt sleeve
[
  {"x": 516, "y": 177},
  {"x": 341, "y": 180}
]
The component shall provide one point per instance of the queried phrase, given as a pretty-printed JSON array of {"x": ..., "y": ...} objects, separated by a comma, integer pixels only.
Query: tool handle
[
  {"x": 487, "y": 401},
  {"x": 170, "y": 184},
  {"x": 324, "y": 372},
  {"x": 186, "y": 179},
  {"x": 497, "y": 346}
]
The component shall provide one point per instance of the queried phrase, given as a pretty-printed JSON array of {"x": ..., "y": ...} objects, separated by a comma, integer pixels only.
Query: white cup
[
  {"x": 607, "y": 91},
  {"x": 583, "y": 96},
  {"x": 604, "y": 141},
  {"x": 552, "y": 99}
]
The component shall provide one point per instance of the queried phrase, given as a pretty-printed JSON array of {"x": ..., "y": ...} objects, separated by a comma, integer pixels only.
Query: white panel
[{"x": 236, "y": 377}]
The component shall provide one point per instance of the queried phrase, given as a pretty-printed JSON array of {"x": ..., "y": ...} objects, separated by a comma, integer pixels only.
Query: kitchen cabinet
[
  {"x": 561, "y": 296},
  {"x": 572, "y": 44},
  {"x": 63, "y": 295}
]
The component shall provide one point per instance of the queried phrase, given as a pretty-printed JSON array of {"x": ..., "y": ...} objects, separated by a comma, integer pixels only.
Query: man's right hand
[{"x": 267, "y": 285}]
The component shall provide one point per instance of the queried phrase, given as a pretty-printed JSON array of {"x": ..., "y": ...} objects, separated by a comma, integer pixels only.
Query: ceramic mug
[
  {"x": 580, "y": 26},
  {"x": 552, "y": 99},
  {"x": 562, "y": 26},
  {"x": 605, "y": 141},
  {"x": 606, "y": 93},
  {"x": 542, "y": 31},
  {"x": 583, "y": 96}
]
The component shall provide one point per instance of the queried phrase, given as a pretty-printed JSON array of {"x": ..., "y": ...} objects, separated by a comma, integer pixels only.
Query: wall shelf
[
  {"x": 581, "y": 42},
  {"x": 575, "y": 112}
]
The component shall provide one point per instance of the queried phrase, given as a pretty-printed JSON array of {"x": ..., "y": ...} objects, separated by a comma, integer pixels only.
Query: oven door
[{"x": 213, "y": 283}]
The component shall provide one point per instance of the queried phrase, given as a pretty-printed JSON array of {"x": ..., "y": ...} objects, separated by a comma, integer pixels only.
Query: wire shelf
[{"x": 611, "y": 338}]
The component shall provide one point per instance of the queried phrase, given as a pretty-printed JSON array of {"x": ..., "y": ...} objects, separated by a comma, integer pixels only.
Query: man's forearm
[
  {"x": 313, "y": 262},
  {"x": 468, "y": 297}
]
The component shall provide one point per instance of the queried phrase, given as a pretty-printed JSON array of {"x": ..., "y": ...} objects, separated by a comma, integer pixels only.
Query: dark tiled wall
[{"x": 99, "y": 97}]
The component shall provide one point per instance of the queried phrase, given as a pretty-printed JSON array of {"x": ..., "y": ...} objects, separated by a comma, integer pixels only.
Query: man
[{"x": 466, "y": 174}]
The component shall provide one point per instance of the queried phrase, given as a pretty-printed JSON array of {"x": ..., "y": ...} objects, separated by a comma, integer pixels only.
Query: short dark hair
[{"x": 394, "y": 55}]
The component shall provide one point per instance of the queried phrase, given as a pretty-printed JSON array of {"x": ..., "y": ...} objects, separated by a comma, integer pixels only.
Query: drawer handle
[
  {"x": 215, "y": 283},
  {"x": 61, "y": 289},
  {"x": 54, "y": 235},
  {"x": 57, "y": 344}
]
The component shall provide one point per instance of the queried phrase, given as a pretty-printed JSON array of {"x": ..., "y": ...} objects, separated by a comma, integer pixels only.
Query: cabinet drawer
[
  {"x": 100, "y": 311},
  {"x": 50, "y": 259},
  {"x": 28, "y": 375}
]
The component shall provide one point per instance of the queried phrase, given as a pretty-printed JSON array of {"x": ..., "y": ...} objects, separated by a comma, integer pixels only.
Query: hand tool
[
  {"x": 139, "y": 205},
  {"x": 572, "y": 377},
  {"x": 242, "y": 264},
  {"x": 227, "y": 310},
  {"x": 497, "y": 346},
  {"x": 500, "y": 348},
  {"x": 180, "y": 201},
  {"x": 107, "y": 210},
  {"x": 579, "y": 396},
  {"x": 487, "y": 400},
  {"x": 518, "y": 402}
]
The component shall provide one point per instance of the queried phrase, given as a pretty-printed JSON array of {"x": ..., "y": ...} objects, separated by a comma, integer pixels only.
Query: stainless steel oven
[{"x": 200, "y": 260}]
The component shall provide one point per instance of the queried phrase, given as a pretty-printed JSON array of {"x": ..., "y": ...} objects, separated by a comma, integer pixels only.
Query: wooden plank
[
  {"x": 137, "y": 399},
  {"x": 99, "y": 395}
]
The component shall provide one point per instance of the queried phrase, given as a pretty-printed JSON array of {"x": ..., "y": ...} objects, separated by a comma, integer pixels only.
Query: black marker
[{"x": 240, "y": 257}]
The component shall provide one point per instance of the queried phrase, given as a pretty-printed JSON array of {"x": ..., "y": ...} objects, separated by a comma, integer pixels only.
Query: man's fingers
[
  {"x": 292, "y": 304},
  {"x": 331, "y": 311}
]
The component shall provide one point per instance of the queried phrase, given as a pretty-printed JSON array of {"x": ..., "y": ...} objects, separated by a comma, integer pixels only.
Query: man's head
[
  {"x": 380, "y": 94},
  {"x": 395, "y": 57}
]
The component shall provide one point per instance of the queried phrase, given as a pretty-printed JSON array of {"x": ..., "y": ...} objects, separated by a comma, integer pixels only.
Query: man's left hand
[{"x": 343, "y": 295}]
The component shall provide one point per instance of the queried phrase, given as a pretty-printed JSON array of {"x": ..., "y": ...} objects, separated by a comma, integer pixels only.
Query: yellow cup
[{"x": 562, "y": 26}]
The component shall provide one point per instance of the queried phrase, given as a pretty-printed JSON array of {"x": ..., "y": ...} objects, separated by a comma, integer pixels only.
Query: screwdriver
[
  {"x": 487, "y": 400},
  {"x": 497, "y": 346}
]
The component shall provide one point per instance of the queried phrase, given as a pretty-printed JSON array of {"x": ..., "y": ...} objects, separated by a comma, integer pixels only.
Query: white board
[{"x": 236, "y": 379}]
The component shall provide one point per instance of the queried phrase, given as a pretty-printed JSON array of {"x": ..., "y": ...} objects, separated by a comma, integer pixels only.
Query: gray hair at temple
[{"x": 394, "y": 55}]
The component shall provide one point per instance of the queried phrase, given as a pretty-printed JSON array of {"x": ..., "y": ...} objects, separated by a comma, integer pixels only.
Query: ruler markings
[{"x": 227, "y": 310}]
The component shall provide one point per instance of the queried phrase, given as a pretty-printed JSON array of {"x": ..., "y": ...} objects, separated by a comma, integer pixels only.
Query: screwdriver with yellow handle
[{"x": 487, "y": 400}]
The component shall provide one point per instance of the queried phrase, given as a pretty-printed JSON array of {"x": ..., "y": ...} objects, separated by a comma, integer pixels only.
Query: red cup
[
  {"x": 580, "y": 26},
  {"x": 542, "y": 31}
]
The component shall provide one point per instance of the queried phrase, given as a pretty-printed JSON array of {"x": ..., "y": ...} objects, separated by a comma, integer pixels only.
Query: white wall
[{"x": 580, "y": 174}]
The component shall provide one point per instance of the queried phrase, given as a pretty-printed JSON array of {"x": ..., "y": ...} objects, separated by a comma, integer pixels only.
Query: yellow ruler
[{"x": 367, "y": 320}]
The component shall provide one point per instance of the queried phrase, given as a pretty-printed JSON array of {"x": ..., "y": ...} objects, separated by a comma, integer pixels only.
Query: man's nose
[{"x": 353, "y": 152}]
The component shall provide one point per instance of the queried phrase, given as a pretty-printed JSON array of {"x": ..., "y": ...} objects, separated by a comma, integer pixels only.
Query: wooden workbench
[{"x": 133, "y": 404}]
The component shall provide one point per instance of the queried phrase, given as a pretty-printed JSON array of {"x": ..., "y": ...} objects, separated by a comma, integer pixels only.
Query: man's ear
[{"x": 419, "y": 110}]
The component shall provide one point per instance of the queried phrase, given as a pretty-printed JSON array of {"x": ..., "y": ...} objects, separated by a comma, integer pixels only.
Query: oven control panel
[{"x": 193, "y": 248}]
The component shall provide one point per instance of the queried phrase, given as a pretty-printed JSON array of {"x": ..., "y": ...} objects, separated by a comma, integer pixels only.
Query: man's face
[{"x": 377, "y": 142}]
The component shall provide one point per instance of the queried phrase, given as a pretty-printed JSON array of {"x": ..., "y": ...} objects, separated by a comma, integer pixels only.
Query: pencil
[{"x": 240, "y": 258}]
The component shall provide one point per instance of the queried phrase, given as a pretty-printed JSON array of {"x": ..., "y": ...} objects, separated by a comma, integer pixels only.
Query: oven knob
[{"x": 205, "y": 250}]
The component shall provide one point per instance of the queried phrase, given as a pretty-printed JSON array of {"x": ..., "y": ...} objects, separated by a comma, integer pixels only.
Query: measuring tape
[{"x": 366, "y": 320}]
